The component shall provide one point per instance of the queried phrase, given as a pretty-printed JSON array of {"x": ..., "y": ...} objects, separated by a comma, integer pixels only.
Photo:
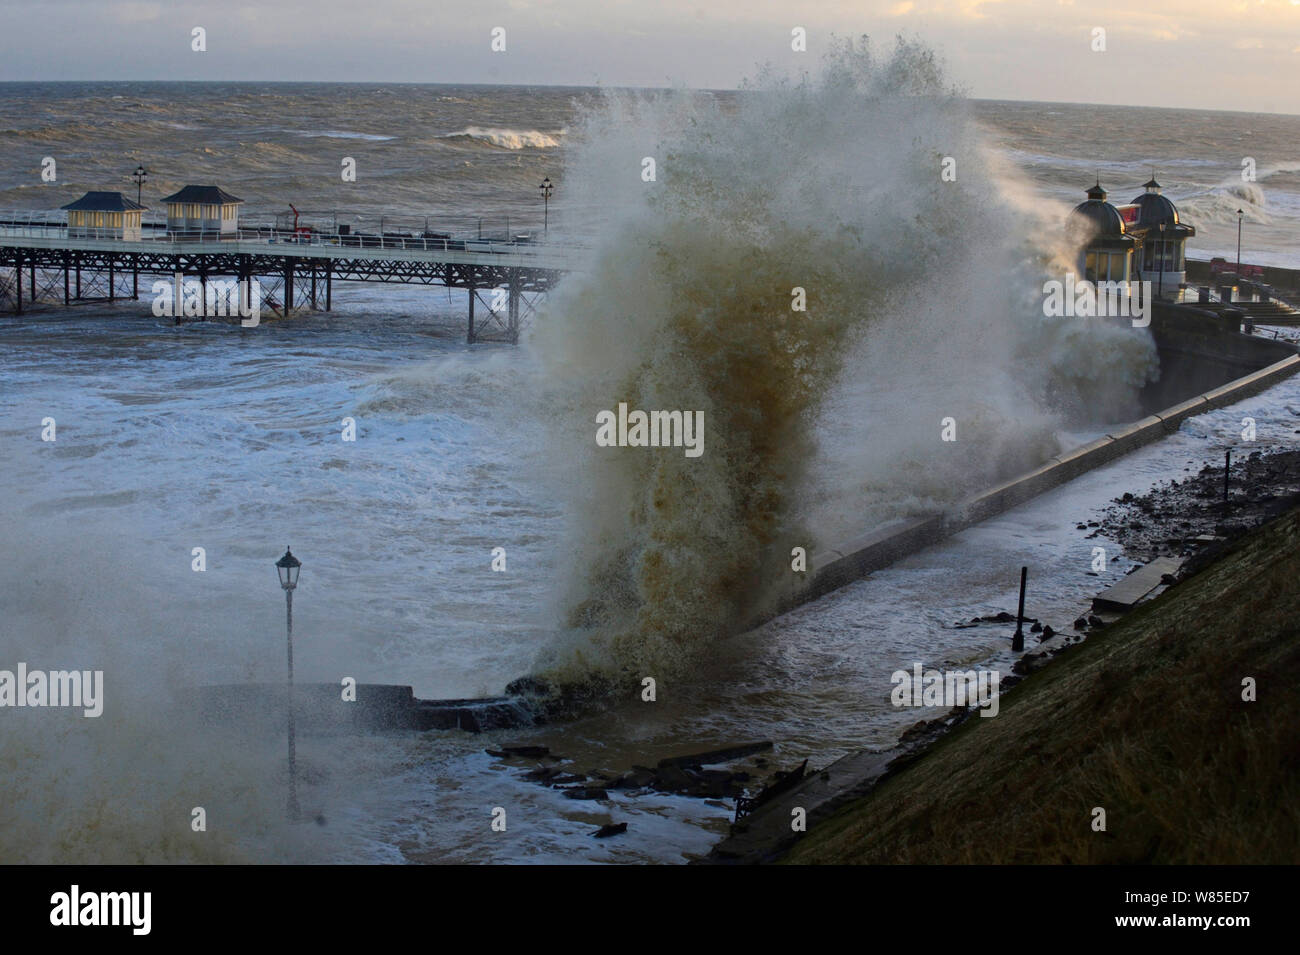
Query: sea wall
[{"x": 1200, "y": 350}]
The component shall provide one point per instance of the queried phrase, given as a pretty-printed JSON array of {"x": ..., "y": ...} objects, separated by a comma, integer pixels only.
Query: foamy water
[{"x": 209, "y": 436}]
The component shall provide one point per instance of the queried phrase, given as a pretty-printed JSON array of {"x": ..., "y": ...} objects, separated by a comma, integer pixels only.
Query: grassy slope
[{"x": 1144, "y": 719}]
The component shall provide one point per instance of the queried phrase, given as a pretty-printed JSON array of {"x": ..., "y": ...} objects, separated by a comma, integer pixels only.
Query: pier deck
[{"x": 294, "y": 268}]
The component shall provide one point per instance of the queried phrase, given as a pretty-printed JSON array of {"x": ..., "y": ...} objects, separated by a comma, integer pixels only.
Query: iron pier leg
[
  {"x": 135, "y": 277},
  {"x": 288, "y": 286},
  {"x": 111, "y": 279},
  {"x": 32, "y": 286},
  {"x": 514, "y": 310},
  {"x": 329, "y": 284},
  {"x": 67, "y": 259},
  {"x": 18, "y": 282},
  {"x": 470, "y": 338},
  {"x": 313, "y": 286},
  {"x": 77, "y": 257}
]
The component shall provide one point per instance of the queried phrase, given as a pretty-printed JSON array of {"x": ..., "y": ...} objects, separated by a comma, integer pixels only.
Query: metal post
[
  {"x": 293, "y": 754},
  {"x": 111, "y": 277},
  {"x": 288, "y": 286},
  {"x": 77, "y": 257},
  {"x": 329, "y": 284},
  {"x": 1018, "y": 641},
  {"x": 67, "y": 258},
  {"x": 313, "y": 286},
  {"x": 135, "y": 277},
  {"x": 18, "y": 282}
]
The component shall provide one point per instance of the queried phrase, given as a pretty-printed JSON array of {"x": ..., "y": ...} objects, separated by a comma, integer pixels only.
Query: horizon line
[{"x": 578, "y": 86}]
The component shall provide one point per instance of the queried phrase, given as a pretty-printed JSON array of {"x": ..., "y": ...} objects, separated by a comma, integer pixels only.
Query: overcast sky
[{"x": 1211, "y": 54}]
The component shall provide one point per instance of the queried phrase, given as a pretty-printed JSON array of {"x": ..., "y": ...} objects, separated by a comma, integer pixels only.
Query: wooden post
[{"x": 1018, "y": 641}]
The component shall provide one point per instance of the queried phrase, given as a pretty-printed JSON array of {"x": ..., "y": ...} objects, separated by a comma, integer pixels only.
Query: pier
[{"x": 504, "y": 276}]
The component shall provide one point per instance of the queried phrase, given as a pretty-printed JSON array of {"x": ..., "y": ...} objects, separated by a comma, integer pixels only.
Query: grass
[{"x": 1145, "y": 720}]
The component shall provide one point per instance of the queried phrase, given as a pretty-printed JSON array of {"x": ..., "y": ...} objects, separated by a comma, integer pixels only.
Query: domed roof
[
  {"x": 1096, "y": 216},
  {"x": 1153, "y": 208}
]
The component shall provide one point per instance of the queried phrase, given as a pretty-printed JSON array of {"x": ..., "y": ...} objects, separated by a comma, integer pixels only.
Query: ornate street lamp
[
  {"x": 288, "y": 568},
  {"x": 140, "y": 175},
  {"x": 546, "y": 188}
]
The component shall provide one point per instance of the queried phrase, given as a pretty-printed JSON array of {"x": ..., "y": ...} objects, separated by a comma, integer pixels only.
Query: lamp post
[
  {"x": 140, "y": 175},
  {"x": 546, "y": 188},
  {"x": 288, "y": 567},
  {"x": 1160, "y": 286},
  {"x": 1240, "y": 214}
]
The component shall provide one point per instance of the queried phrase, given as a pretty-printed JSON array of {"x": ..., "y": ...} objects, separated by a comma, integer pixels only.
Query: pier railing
[{"x": 54, "y": 225}]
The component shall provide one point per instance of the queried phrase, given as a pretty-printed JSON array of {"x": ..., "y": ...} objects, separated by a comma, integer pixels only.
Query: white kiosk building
[
  {"x": 203, "y": 212},
  {"x": 1153, "y": 219},
  {"x": 104, "y": 215},
  {"x": 1098, "y": 231}
]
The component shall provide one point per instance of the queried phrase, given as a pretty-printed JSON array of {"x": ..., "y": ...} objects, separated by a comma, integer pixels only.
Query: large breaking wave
[{"x": 923, "y": 302}]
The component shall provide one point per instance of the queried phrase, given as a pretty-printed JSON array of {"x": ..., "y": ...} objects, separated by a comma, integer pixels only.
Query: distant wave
[
  {"x": 1221, "y": 202},
  {"x": 505, "y": 138},
  {"x": 338, "y": 134}
]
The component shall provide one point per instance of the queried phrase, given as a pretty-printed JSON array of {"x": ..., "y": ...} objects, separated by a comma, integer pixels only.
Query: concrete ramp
[{"x": 1126, "y": 594}]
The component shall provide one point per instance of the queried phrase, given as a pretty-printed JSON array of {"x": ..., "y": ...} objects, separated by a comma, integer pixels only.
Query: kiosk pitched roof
[
  {"x": 104, "y": 202},
  {"x": 205, "y": 195}
]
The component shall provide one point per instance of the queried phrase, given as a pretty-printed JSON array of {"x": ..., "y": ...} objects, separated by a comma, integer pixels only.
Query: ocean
[{"x": 205, "y": 435}]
